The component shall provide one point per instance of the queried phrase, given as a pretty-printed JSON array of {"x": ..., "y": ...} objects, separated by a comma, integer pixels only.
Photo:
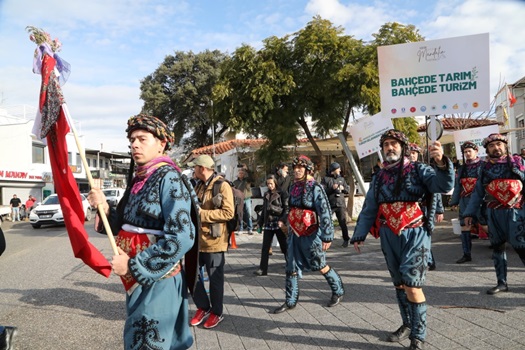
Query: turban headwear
[{"x": 153, "y": 125}]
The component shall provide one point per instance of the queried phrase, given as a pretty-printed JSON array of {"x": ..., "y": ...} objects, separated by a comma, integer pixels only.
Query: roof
[
  {"x": 226, "y": 146},
  {"x": 462, "y": 123}
]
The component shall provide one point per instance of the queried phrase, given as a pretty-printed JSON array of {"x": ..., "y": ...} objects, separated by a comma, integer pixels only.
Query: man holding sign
[
  {"x": 392, "y": 205},
  {"x": 500, "y": 186}
]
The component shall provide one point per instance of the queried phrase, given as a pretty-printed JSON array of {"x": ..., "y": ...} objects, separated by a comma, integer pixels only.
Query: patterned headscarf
[
  {"x": 468, "y": 144},
  {"x": 153, "y": 125},
  {"x": 413, "y": 147},
  {"x": 393, "y": 134},
  {"x": 304, "y": 161},
  {"x": 494, "y": 137}
]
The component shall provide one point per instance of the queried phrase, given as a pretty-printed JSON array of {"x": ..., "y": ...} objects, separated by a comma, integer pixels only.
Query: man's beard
[
  {"x": 392, "y": 157},
  {"x": 497, "y": 154}
]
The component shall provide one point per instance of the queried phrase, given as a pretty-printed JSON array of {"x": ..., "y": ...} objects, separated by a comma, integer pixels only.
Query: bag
[
  {"x": 238, "y": 203},
  {"x": 275, "y": 209}
]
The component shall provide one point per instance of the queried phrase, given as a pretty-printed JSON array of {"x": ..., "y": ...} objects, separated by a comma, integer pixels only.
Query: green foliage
[
  {"x": 408, "y": 126},
  {"x": 179, "y": 92}
]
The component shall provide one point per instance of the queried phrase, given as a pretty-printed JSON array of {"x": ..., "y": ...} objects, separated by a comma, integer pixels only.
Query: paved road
[{"x": 57, "y": 302}]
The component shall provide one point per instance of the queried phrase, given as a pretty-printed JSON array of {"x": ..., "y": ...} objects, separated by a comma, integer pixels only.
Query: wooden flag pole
[{"x": 100, "y": 206}]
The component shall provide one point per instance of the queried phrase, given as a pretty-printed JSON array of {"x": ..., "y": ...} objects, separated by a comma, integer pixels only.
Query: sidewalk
[{"x": 460, "y": 314}]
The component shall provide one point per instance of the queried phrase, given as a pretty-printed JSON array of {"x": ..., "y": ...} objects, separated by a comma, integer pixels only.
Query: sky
[{"x": 113, "y": 44}]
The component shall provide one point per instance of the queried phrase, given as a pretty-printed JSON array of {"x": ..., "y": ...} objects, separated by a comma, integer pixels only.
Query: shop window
[{"x": 38, "y": 154}]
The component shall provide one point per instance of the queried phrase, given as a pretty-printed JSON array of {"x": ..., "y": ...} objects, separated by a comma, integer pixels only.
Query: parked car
[
  {"x": 49, "y": 212},
  {"x": 113, "y": 195}
]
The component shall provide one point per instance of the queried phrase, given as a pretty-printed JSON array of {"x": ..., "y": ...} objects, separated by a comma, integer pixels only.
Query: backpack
[{"x": 238, "y": 203}]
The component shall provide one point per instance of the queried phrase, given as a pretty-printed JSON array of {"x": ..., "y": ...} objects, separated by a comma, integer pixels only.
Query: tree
[
  {"x": 316, "y": 73},
  {"x": 179, "y": 92}
]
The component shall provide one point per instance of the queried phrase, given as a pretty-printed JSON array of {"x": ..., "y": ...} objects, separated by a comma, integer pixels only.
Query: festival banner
[
  {"x": 435, "y": 77},
  {"x": 366, "y": 132},
  {"x": 475, "y": 135}
]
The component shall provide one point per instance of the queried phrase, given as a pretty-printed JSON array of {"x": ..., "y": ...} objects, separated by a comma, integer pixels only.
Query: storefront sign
[{"x": 15, "y": 175}]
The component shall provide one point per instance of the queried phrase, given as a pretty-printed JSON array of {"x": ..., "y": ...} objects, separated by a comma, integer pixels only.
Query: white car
[
  {"x": 49, "y": 212},
  {"x": 113, "y": 195}
]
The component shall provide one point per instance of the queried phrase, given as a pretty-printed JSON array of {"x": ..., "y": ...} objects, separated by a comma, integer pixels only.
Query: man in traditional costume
[
  {"x": 155, "y": 231},
  {"x": 310, "y": 234},
  {"x": 500, "y": 186},
  {"x": 467, "y": 176},
  {"x": 393, "y": 206}
]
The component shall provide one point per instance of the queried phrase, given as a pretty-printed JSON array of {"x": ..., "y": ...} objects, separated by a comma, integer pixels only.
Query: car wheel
[
  {"x": 88, "y": 214},
  {"x": 35, "y": 225}
]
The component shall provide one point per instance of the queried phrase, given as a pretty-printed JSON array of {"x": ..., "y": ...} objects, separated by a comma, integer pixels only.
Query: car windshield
[
  {"x": 51, "y": 200},
  {"x": 109, "y": 193}
]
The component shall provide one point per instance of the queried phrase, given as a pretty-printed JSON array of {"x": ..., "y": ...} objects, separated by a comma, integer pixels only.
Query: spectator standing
[
  {"x": 336, "y": 188},
  {"x": 500, "y": 186},
  {"x": 393, "y": 205},
  {"x": 273, "y": 220},
  {"x": 243, "y": 183},
  {"x": 29, "y": 204},
  {"x": 310, "y": 234},
  {"x": 284, "y": 180},
  {"x": 15, "y": 204},
  {"x": 213, "y": 241}
]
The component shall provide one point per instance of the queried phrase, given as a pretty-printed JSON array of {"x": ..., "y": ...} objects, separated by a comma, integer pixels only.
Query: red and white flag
[
  {"x": 54, "y": 127},
  {"x": 510, "y": 97}
]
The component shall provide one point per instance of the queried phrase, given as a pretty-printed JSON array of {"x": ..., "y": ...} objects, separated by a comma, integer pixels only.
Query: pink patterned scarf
[{"x": 143, "y": 172}]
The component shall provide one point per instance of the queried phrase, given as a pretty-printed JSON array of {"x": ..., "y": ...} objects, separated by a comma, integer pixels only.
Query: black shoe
[
  {"x": 334, "y": 300},
  {"x": 402, "y": 333},
  {"x": 464, "y": 259},
  {"x": 416, "y": 344},
  {"x": 260, "y": 273},
  {"x": 7, "y": 338},
  {"x": 284, "y": 307},
  {"x": 497, "y": 289},
  {"x": 345, "y": 244},
  {"x": 431, "y": 267}
]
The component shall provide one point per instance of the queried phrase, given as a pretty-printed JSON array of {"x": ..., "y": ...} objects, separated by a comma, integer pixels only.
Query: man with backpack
[{"x": 215, "y": 212}]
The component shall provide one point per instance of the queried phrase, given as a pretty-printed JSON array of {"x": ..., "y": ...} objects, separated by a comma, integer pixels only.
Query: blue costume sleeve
[
  {"x": 368, "y": 214},
  {"x": 324, "y": 214},
  {"x": 157, "y": 260},
  {"x": 437, "y": 181},
  {"x": 457, "y": 190},
  {"x": 439, "y": 205}
]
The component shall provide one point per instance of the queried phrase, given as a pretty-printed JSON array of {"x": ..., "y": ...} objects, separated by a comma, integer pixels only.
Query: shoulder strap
[{"x": 217, "y": 187}]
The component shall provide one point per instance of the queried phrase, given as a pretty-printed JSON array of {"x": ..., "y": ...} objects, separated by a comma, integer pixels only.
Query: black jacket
[
  {"x": 275, "y": 207},
  {"x": 336, "y": 196}
]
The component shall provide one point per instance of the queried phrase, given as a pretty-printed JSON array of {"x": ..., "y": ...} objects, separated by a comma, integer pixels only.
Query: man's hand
[
  {"x": 436, "y": 152},
  {"x": 439, "y": 217},
  {"x": 96, "y": 197},
  {"x": 357, "y": 246},
  {"x": 120, "y": 263},
  {"x": 326, "y": 245},
  {"x": 467, "y": 221}
]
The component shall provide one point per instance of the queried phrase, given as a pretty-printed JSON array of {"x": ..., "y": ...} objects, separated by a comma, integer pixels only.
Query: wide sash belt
[
  {"x": 504, "y": 194},
  {"x": 467, "y": 186},
  {"x": 400, "y": 215},
  {"x": 303, "y": 222}
]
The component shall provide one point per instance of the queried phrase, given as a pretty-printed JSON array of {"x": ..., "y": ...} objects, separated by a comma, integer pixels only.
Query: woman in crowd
[{"x": 273, "y": 220}]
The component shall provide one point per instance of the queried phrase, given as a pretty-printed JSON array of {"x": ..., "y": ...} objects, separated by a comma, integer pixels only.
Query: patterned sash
[
  {"x": 400, "y": 215},
  {"x": 507, "y": 192},
  {"x": 467, "y": 186},
  {"x": 303, "y": 221},
  {"x": 133, "y": 243}
]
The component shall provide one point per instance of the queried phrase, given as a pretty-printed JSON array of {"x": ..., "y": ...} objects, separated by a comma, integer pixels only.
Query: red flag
[
  {"x": 55, "y": 122},
  {"x": 510, "y": 97}
]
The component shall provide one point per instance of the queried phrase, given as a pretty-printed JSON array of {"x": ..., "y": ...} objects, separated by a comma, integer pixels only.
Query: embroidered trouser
[
  {"x": 506, "y": 225},
  {"x": 158, "y": 316},
  {"x": 335, "y": 282}
]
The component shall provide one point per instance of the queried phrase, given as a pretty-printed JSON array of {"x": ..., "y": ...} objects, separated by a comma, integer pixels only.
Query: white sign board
[
  {"x": 435, "y": 77},
  {"x": 367, "y": 131},
  {"x": 475, "y": 135}
]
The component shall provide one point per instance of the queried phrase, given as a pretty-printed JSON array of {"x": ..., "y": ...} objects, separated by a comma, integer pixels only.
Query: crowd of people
[
  {"x": 401, "y": 208},
  {"x": 169, "y": 230}
]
